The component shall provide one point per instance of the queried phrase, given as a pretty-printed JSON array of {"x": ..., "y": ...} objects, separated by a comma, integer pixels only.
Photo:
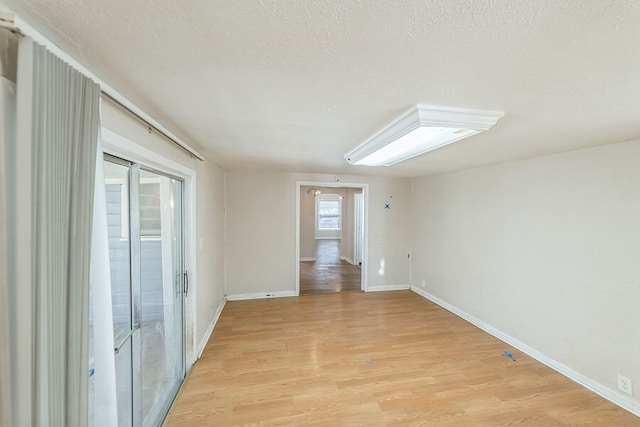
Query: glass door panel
[
  {"x": 124, "y": 385},
  {"x": 144, "y": 221},
  {"x": 117, "y": 189},
  {"x": 161, "y": 293},
  {"x": 117, "y": 192}
]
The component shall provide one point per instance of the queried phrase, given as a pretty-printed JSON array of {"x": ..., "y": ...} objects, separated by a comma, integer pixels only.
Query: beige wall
[
  {"x": 210, "y": 218},
  {"x": 261, "y": 230},
  {"x": 545, "y": 250},
  {"x": 8, "y": 54}
]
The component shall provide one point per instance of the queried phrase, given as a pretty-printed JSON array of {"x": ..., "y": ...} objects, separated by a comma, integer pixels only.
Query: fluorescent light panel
[{"x": 421, "y": 129}]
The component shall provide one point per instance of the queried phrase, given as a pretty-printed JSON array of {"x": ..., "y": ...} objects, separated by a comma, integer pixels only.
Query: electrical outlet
[
  {"x": 423, "y": 284},
  {"x": 625, "y": 384}
]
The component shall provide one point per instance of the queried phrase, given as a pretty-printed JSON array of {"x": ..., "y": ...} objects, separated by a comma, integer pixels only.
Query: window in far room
[{"x": 328, "y": 212}]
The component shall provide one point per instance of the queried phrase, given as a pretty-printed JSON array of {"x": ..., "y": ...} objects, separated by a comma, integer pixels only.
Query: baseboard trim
[
  {"x": 350, "y": 261},
  {"x": 613, "y": 396},
  {"x": 207, "y": 334},
  {"x": 261, "y": 295},
  {"x": 307, "y": 258},
  {"x": 382, "y": 288}
]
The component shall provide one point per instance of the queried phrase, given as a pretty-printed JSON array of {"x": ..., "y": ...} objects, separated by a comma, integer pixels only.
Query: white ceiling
[{"x": 295, "y": 84}]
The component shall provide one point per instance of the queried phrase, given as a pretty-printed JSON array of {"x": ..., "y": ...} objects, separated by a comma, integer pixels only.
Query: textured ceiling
[{"x": 294, "y": 85}]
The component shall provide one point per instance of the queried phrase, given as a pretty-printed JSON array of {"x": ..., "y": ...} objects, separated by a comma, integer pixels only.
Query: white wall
[
  {"x": 261, "y": 230},
  {"x": 545, "y": 250}
]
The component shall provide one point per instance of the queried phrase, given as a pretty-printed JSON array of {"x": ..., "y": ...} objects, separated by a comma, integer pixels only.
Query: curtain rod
[
  {"x": 150, "y": 126},
  {"x": 19, "y": 26}
]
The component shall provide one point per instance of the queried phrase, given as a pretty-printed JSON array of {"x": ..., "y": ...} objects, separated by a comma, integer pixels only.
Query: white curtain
[
  {"x": 8, "y": 61},
  {"x": 7, "y": 136},
  {"x": 104, "y": 398},
  {"x": 64, "y": 122}
]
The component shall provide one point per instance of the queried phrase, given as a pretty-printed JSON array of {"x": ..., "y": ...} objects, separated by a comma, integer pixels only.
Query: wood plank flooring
[
  {"x": 328, "y": 274},
  {"x": 374, "y": 359}
]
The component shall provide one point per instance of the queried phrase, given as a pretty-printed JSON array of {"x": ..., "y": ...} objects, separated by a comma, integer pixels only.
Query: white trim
[
  {"x": 120, "y": 146},
  {"x": 328, "y": 237},
  {"x": 207, "y": 334},
  {"x": 365, "y": 251},
  {"x": 224, "y": 237},
  {"x": 624, "y": 401},
  {"x": 384, "y": 288},
  {"x": 261, "y": 295},
  {"x": 190, "y": 262},
  {"x": 307, "y": 259},
  {"x": 358, "y": 213},
  {"x": 31, "y": 32},
  {"x": 349, "y": 260}
]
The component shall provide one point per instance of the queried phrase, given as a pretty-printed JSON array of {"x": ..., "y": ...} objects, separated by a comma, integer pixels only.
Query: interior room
[
  {"x": 300, "y": 213},
  {"x": 331, "y": 238}
]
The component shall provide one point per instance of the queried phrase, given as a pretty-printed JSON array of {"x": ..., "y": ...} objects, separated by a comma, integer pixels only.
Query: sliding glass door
[
  {"x": 144, "y": 218},
  {"x": 161, "y": 293}
]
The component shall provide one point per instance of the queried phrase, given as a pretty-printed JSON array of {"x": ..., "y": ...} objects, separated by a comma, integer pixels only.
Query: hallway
[{"x": 328, "y": 273}]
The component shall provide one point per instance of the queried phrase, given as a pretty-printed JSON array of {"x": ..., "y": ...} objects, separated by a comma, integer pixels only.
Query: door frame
[
  {"x": 358, "y": 225},
  {"x": 120, "y": 146},
  {"x": 365, "y": 253}
]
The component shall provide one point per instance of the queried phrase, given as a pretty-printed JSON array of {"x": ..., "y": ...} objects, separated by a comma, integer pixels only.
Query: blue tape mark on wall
[{"x": 387, "y": 205}]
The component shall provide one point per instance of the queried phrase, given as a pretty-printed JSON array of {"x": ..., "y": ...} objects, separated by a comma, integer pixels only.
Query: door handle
[{"x": 186, "y": 284}]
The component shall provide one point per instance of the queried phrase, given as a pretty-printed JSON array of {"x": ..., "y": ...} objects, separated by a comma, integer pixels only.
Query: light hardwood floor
[
  {"x": 328, "y": 274},
  {"x": 373, "y": 359}
]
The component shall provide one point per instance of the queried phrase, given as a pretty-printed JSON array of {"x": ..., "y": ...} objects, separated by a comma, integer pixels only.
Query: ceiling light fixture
[{"x": 421, "y": 129}]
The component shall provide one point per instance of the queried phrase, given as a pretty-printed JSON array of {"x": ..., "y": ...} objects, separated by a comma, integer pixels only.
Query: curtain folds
[
  {"x": 7, "y": 137},
  {"x": 8, "y": 63},
  {"x": 64, "y": 135}
]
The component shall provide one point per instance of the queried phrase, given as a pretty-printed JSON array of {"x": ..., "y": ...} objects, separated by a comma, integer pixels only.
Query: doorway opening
[{"x": 330, "y": 236}]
